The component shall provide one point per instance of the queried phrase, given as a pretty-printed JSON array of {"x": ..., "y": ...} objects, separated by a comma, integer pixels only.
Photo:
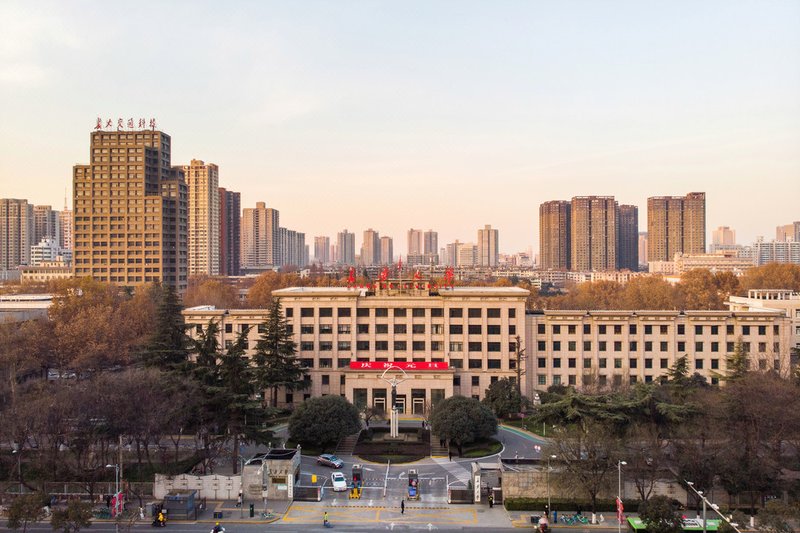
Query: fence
[
  {"x": 63, "y": 491},
  {"x": 307, "y": 494}
]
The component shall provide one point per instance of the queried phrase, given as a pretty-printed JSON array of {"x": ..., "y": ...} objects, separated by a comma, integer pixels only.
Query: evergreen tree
[
  {"x": 168, "y": 346},
  {"x": 736, "y": 363},
  {"x": 275, "y": 357}
]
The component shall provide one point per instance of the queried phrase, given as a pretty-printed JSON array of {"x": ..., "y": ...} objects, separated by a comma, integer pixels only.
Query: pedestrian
[
  {"x": 239, "y": 500},
  {"x": 449, "y": 455},
  {"x": 108, "y": 501},
  {"x": 402, "y": 506},
  {"x": 491, "y": 501},
  {"x": 325, "y": 519}
]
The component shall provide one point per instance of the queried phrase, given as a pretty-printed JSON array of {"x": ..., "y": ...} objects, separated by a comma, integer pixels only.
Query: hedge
[{"x": 558, "y": 504}]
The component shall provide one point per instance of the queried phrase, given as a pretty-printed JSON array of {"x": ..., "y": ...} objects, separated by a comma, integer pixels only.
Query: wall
[{"x": 212, "y": 487}]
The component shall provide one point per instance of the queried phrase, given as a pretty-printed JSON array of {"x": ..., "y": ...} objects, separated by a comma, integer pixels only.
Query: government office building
[{"x": 459, "y": 340}]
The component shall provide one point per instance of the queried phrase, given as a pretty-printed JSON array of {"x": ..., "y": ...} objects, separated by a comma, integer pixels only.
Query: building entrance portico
[{"x": 421, "y": 391}]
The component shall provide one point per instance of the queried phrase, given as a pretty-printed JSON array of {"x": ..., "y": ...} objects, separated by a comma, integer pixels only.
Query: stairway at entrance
[
  {"x": 347, "y": 445},
  {"x": 437, "y": 450}
]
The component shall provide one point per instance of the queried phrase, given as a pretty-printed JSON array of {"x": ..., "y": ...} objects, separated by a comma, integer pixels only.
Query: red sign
[{"x": 404, "y": 365}]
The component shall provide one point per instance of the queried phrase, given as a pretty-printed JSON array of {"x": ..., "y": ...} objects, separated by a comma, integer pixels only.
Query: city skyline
[{"x": 462, "y": 114}]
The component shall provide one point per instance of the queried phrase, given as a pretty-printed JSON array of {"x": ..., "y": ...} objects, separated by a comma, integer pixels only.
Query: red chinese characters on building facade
[
  {"x": 403, "y": 365},
  {"x": 108, "y": 124}
]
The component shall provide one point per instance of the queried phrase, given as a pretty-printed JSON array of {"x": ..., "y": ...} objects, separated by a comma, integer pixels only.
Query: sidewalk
[{"x": 522, "y": 519}]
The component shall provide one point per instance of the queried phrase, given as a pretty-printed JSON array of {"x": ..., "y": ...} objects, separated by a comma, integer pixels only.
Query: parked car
[
  {"x": 339, "y": 482},
  {"x": 328, "y": 459}
]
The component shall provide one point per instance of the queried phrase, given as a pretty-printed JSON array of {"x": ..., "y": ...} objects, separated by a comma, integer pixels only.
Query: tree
[
  {"x": 772, "y": 276},
  {"x": 25, "y": 510},
  {"x": 736, "y": 363},
  {"x": 463, "y": 420},
  {"x": 700, "y": 290},
  {"x": 659, "y": 515},
  {"x": 777, "y": 517},
  {"x": 204, "y": 290},
  {"x": 323, "y": 421},
  {"x": 167, "y": 348},
  {"x": 77, "y": 515},
  {"x": 276, "y": 363},
  {"x": 503, "y": 398}
]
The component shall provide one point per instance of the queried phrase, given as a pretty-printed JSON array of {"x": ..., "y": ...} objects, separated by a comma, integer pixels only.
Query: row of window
[
  {"x": 663, "y": 329},
  {"x": 400, "y": 329},
  {"x": 401, "y": 346},
  {"x": 455, "y": 312},
  {"x": 699, "y": 346},
  {"x": 344, "y": 362},
  {"x": 699, "y": 364}
]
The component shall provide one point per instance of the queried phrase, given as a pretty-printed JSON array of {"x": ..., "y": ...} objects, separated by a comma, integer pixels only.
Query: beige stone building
[
  {"x": 615, "y": 348},
  {"x": 130, "y": 211},
  {"x": 202, "y": 182},
  {"x": 458, "y": 340}
]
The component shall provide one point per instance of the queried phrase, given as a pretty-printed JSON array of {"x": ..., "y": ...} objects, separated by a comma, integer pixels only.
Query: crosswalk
[{"x": 454, "y": 470}]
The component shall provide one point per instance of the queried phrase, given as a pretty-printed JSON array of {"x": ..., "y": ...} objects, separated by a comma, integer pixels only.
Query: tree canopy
[
  {"x": 463, "y": 420},
  {"x": 323, "y": 421}
]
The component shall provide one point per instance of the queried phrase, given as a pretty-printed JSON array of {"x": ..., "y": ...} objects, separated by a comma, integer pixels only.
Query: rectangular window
[
  {"x": 542, "y": 380},
  {"x": 475, "y": 346},
  {"x": 648, "y": 346},
  {"x": 587, "y": 363},
  {"x": 474, "y": 329},
  {"x": 325, "y": 346},
  {"x": 602, "y": 346},
  {"x": 343, "y": 329},
  {"x": 418, "y": 346},
  {"x": 456, "y": 346},
  {"x": 381, "y": 329},
  {"x": 633, "y": 346},
  {"x": 541, "y": 346},
  {"x": 572, "y": 362},
  {"x": 571, "y": 329},
  {"x": 306, "y": 329},
  {"x": 400, "y": 346},
  {"x": 343, "y": 346},
  {"x": 492, "y": 346},
  {"x": 512, "y": 313},
  {"x": 362, "y": 346},
  {"x": 541, "y": 362},
  {"x": 437, "y": 329},
  {"x": 512, "y": 329},
  {"x": 681, "y": 346},
  {"x": 456, "y": 381},
  {"x": 436, "y": 346},
  {"x": 474, "y": 312},
  {"x": 381, "y": 346},
  {"x": 556, "y": 346},
  {"x": 762, "y": 330},
  {"x": 307, "y": 363},
  {"x": 289, "y": 312},
  {"x": 714, "y": 346},
  {"x": 457, "y": 363},
  {"x": 587, "y": 329},
  {"x": 344, "y": 311},
  {"x": 698, "y": 346},
  {"x": 493, "y": 312},
  {"x": 326, "y": 311},
  {"x": 715, "y": 330},
  {"x": 663, "y": 346},
  {"x": 602, "y": 362},
  {"x": 399, "y": 329},
  {"x": 556, "y": 329},
  {"x": 601, "y": 330},
  {"x": 456, "y": 329},
  {"x": 633, "y": 362},
  {"x": 730, "y": 347},
  {"x": 456, "y": 312},
  {"x": 572, "y": 346},
  {"x": 381, "y": 312},
  {"x": 681, "y": 329},
  {"x": 664, "y": 363},
  {"x": 715, "y": 364},
  {"x": 325, "y": 329},
  {"x": 664, "y": 330},
  {"x": 729, "y": 329},
  {"x": 476, "y": 381},
  {"x": 306, "y": 312},
  {"x": 493, "y": 329},
  {"x": 617, "y": 346},
  {"x": 362, "y": 328},
  {"x": 698, "y": 364},
  {"x": 399, "y": 312},
  {"x": 648, "y": 363},
  {"x": 745, "y": 330},
  {"x": 556, "y": 362},
  {"x": 362, "y": 312},
  {"x": 493, "y": 364},
  {"x": 306, "y": 346},
  {"x": 540, "y": 329},
  {"x": 617, "y": 362},
  {"x": 632, "y": 329},
  {"x": 617, "y": 329},
  {"x": 475, "y": 363},
  {"x": 437, "y": 312},
  {"x": 587, "y": 346},
  {"x": 698, "y": 330},
  {"x": 418, "y": 312},
  {"x": 326, "y": 363}
]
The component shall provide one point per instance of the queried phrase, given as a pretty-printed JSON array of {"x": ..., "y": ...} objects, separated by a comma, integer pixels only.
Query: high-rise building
[
  {"x": 260, "y": 236},
  {"x": 292, "y": 248},
  {"x": 466, "y": 254},
  {"x": 16, "y": 233},
  {"x": 230, "y": 232},
  {"x": 130, "y": 211},
  {"x": 786, "y": 232},
  {"x": 45, "y": 223},
  {"x": 431, "y": 239},
  {"x": 776, "y": 252},
  {"x": 676, "y": 224},
  {"x": 488, "y": 247},
  {"x": 346, "y": 248},
  {"x": 724, "y": 236},
  {"x": 322, "y": 247},
  {"x": 371, "y": 248},
  {"x": 416, "y": 244},
  {"x": 387, "y": 251},
  {"x": 202, "y": 181},
  {"x": 65, "y": 227},
  {"x": 643, "y": 248},
  {"x": 628, "y": 238},
  {"x": 554, "y": 235},
  {"x": 593, "y": 235}
]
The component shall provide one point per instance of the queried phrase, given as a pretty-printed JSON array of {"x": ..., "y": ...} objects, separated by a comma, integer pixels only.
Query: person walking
[
  {"x": 402, "y": 506},
  {"x": 491, "y": 501},
  {"x": 325, "y": 519},
  {"x": 239, "y": 500}
]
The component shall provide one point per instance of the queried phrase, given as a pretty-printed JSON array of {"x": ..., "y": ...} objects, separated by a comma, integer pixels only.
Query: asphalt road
[{"x": 284, "y": 528}]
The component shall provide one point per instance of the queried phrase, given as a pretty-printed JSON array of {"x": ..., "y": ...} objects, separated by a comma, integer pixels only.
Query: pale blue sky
[{"x": 443, "y": 115}]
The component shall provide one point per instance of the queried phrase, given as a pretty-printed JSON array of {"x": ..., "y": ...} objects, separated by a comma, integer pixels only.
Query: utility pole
[{"x": 520, "y": 357}]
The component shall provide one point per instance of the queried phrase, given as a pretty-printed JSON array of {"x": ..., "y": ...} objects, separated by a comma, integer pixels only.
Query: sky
[{"x": 427, "y": 114}]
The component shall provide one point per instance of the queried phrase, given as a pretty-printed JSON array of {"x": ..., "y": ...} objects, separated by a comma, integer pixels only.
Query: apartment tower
[
  {"x": 260, "y": 236},
  {"x": 202, "y": 181},
  {"x": 488, "y": 247},
  {"x": 346, "y": 248},
  {"x": 554, "y": 235},
  {"x": 593, "y": 234},
  {"x": 16, "y": 233},
  {"x": 322, "y": 246},
  {"x": 628, "y": 238},
  {"x": 130, "y": 211},
  {"x": 676, "y": 224},
  {"x": 387, "y": 251},
  {"x": 45, "y": 223},
  {"x": 371, "y": 248},
  {"x": 230, "y": 232},
  {"x": 723, "y": 236}
]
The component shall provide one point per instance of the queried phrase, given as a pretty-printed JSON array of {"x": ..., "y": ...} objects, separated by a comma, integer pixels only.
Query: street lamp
[
  {"x": 18, "y": 451},
  {"x": 548, "y": 484},
  {"x": 714, "y": 507},
  {"x": 620, "y": 464},
  {"x": 116, "y": 493}
]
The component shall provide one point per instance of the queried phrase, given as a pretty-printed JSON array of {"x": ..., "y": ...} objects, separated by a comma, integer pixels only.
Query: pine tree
[
  {"x": 276, "y": 363},
  {"x": 168, "y": 346},
  {"x": 736, "y": 363}
]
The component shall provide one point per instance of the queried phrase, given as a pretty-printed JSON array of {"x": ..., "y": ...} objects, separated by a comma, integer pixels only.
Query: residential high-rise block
[
  {"x": 260, "y": 236},
  {"x": 416, "y": 244},
  {"x": 488, "y": 247},
  {"x": 202, "y": 181},
  {"x": 628, "y": 238},
  {"x": 431, "y": 239},
  {"x": 554, "y": 235},
  {"x": 130, "y": 211},
  {"x": 322, "y": 247},
  {"x": 16, "y": 233},
  {"x": 45, "y": 223},
  {"x": 387, "y": 251},
  {"x": 65, "y": 227},
  {"x": 593, "y": 235},
  {"x": 230, "y": 232},
  {"x": 724, "y": 236},
  {"x": 346, "y": 248},
  {"x": 371, "y": 248},
  {"x": 784, "y": 233},
  {"x": 676, "y": 224},
  {"x": 643, "y": 248}
]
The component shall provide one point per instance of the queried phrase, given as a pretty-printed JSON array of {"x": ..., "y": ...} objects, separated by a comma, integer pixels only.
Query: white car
[{"x": 339, "y": 482}]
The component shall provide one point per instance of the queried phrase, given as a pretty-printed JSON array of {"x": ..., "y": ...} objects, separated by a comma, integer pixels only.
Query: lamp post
[
  {"x": 619, "y": 494},
  {"x": 241, "y": 489},
  {"x": 714, "y": 507},
  {"x": 18, "y": 452},
  {"x": 548, "y": 485},
  {"x": 116, "y": 493}
]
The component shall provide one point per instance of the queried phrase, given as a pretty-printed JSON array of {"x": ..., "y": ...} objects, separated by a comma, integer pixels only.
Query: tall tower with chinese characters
[{"x": 130, "y": 211}]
